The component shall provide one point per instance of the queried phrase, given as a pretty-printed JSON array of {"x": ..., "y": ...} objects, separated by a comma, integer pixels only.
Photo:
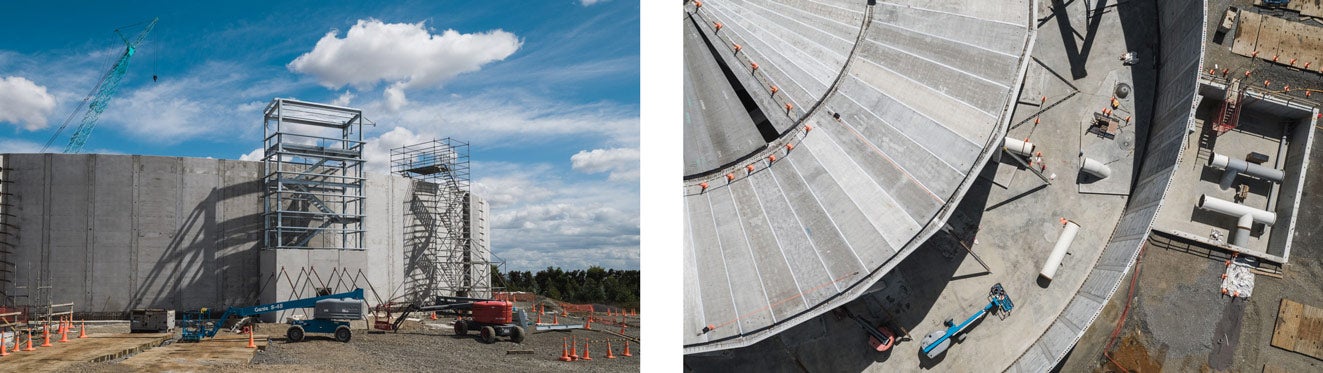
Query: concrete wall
[
  {"x": 1288, "y": 200},
  {"x": 1181, "y": 26},
  {"x": 116, "y": 232}
]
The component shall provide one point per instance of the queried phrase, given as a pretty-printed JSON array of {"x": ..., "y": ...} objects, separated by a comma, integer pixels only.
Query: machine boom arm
[{"x": 279, "y": 306}]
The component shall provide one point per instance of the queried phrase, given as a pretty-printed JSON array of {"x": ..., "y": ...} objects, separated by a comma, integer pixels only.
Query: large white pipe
[
  {"x": 1243, "y": 225},
  {"x": 1234, "y": 166},
  {"x": 1059, "y": 251},
  {"x": 1235, "y": 209},
  {"x": 1096, "y": 168},
  {"x": 1021, "y": 147}
]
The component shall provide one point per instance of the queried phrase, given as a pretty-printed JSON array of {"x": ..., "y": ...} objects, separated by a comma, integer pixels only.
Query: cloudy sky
[{"x": 547, "y": 93}]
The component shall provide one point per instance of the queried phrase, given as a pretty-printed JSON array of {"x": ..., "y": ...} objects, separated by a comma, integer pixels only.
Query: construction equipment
[
  {"x": 490, "y": 317},
  {"x": 153, "y": 320},
  {"x": 331, "y": 315},
  {"x": 493, "y": 318},
  {"x": 100, "y": 96},
  {"x": 936, "y": 343}
]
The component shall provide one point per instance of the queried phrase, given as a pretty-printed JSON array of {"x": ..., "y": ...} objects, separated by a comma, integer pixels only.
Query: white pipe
[
  {"x": 1021, "y": 147},
  {"x": 1059, "y": 251},
  {"x": 1243, "y": 225},
  {"x": 1234, "y": 209},
  {"x": 1234, "y": 166},
  {"x": 1096, "y": 168}
]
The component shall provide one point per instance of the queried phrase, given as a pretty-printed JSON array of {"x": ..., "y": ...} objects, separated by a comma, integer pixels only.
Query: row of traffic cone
[
  {"x": 62, "y": 330},
  {"x": 570, "y": 352}
]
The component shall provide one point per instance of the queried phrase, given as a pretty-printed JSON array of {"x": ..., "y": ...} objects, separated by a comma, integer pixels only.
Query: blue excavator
[{"x": 331, "y": 314}]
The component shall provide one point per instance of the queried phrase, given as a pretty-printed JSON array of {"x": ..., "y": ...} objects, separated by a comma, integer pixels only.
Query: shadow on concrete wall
[{"x": 192, "y": 268}]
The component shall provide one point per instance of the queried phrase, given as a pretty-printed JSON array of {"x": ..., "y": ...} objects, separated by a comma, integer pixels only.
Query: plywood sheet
[
  {"x": 1268, "y": 37},
  {"x": 1299, "y": 328}
]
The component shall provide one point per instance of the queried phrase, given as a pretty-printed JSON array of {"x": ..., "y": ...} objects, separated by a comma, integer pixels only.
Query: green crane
[{"x": 96, "y": 102}]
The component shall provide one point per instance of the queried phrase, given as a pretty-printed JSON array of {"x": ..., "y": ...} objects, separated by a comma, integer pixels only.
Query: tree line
[{"x": 595, "y": 285}]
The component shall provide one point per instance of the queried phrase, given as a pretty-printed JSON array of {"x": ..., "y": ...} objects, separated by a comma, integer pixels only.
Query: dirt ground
[{"x": 422, "y": 346}]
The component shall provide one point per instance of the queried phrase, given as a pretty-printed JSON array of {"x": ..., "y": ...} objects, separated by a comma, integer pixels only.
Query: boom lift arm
[{"x": 279, "y": 306}]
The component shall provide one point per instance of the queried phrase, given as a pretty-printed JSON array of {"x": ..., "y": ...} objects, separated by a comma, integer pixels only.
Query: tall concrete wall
[
  {"x": 1181, "y": 28},
  {"x": 117, "y": 232}
]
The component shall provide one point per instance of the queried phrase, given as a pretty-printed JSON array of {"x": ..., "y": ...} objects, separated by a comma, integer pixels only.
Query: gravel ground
[{"x": 418, "y": 347}]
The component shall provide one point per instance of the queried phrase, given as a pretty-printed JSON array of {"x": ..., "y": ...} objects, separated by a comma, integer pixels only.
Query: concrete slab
[
  {"x": 94, "y": 348},
  {"x": 1256, "y": 133},
  {"x": 1118, "y": 149},
  {"x": 225, "y": 350},
  {"x": 717, "y": 128},
  {"x": 904, "y": 117}
]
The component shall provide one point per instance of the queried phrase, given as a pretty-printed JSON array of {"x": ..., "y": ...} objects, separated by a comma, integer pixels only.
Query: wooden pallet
[{"x": 1299, "y": 329}]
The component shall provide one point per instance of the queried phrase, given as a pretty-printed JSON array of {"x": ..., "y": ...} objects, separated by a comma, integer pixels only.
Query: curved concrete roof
[{"x": 923, "y": 93}]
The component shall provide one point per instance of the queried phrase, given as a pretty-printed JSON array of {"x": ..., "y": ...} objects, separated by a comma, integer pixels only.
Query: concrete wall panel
[{"x": 112, "y": 233}]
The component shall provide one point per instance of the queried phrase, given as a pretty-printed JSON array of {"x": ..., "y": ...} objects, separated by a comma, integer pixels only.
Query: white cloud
[
  {"x": 24, "y": 102},
  {"x": 394, "y": 96},
  {"x": 344, "y": 99},
  {"x": 622, "y": 163},
  {"x": 403, "y": 54},
  {"x": 511, "y": 119},
  {"x": 255, "y": 155},
  {"x": 377, "y": 150},
  {"x": 542, "y": 216},
  {"x": 18, "y": 146},
  {"x": 591, "y": 2}
]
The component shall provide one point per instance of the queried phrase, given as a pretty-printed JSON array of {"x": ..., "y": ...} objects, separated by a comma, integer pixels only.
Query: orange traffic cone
[
  {"x": 30, "y": 341},
  {"x": 609, "y": 355},
  {"x": 539, "y": 318},
  {"x": 46, "y": 336},
  {"x": 585, "y": 351},
  {"x": 564, "y": 350},
  {"x": 555, "y": 319},
  {"x": 433, "y": 316},
  {"x": 250, "y": 337},
  {"x": 588, "y": 324},
  {"x": 82, "y": 330},
  {"x": 3, "y": 352},
  {"x": 64, "y": 332},
  {"x": 626, "y": 353},
  {"x": 574, "y": 349}
]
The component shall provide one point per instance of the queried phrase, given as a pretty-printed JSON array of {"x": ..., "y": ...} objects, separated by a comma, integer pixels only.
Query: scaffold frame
[{"x": 313, "y": 176}]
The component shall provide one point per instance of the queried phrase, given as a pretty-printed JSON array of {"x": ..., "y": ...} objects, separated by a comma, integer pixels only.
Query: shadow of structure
[
  {"x": 208, "y": 262},
  {"x": 900, "y": 301}
]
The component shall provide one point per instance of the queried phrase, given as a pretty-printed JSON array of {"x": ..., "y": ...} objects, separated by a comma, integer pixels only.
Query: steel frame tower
[
  {"x": 313, "y": 176},
  {"x": 443, "y": 259}
]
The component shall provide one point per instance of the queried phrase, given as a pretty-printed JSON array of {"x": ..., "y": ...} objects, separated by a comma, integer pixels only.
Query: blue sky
[{"x": 547, "y": 92}]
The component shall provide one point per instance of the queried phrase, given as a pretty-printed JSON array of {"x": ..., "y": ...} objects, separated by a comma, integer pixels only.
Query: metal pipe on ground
[
  {"x": 1059, "y": 251},
  {"x": 1095, "y": 168},
  {"x": 1022, "y": 147},
  {"x": 1243, "y": 225},
  {"x": 1233, "y": 166},
  {"x": 1225, "y": 207}
]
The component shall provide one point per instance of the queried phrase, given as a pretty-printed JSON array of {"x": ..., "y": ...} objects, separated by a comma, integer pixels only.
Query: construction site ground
[
  {"x": 419, "y": 345},
  {"x": 1179, "y": 320},
  {"x": 1218, "y": 56}
]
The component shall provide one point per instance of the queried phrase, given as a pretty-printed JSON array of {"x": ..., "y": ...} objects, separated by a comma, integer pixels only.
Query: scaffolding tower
[
  {"x": 8, "y": 236},
  {"x": 313, "y": 176},
  {"x": 443, "y": 258}
]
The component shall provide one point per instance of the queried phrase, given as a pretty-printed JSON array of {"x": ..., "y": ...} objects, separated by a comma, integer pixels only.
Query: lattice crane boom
[{"x": 97, "y": 101}]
